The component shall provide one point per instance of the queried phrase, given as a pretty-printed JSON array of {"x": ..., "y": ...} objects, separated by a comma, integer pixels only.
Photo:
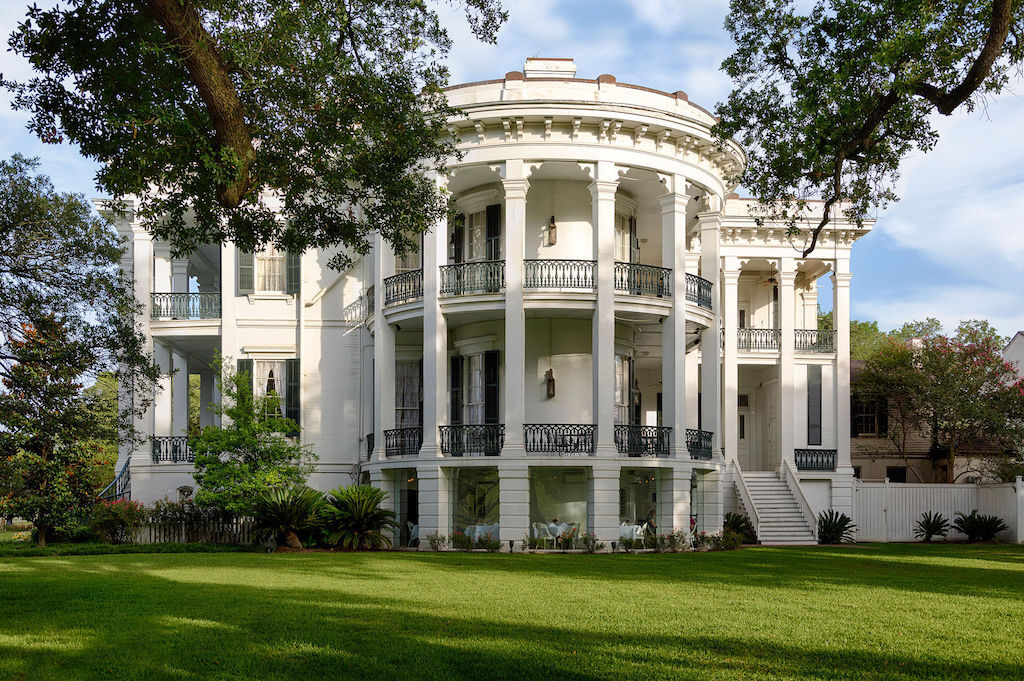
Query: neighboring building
[{"x": 606, "y": 333}]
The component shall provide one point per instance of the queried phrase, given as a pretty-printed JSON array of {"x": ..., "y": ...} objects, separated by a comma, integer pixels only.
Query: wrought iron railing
[
  {"x": 574, "y": 274},
  {"x": 814, "y": 459},
  {"x": 403, "y": 441},
  {"x": 369, "y": 446},
  {"x": 173, "y": 448},
  {"x": 698, "y": 443},
  {"x": 486, "y": 276},
  {"x": 815, "y": 340},
  {"x": 121, "y": 486},
  {"x": 472, "y": 439},
  {"x": 643, "y": 440},
  {"x": 643, "y": 280},
  {"x": 186, "y": 305},
  {"x": 559, "y": 438},
  {"x": 758, "y": 339},
  {"x": 698, "y": 290},
  {"x": 401, "y": 288}
]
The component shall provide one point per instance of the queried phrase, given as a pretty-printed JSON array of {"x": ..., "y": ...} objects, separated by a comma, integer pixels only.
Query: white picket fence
[
  {"x": 236, "y": 531},
  {"x": 886, "y": 511}
]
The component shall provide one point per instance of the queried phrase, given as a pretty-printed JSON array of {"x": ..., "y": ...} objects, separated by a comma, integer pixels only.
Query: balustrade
[
  {"x": 472, "y": 439},
  {"x": 815, "y": 340},
  {"x": 556, "y": 274},
  {"x": 403, "y": 441},
  {"x": 186, "y": 305},
  {"x": 634, "y": 440},
  {"x": 172, "y": 448},
  {"x": 814, "y": 459},
  {"x": 643, "y": 280},
  {"x": 559, "y": 438},
  {"x": 698, "y": 443},
  {"x": 487, "y": 276},
  {"x": 404, "y": 287}
]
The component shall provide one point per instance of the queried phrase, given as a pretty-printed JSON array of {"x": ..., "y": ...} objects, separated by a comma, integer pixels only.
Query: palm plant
[
  {"x": 283, "y": 512},
  {"x": 739, "y": 524},
  {"x": 835, "y": 528},
  {"x": 931, "y": 525},
  {"x": 979, "y": 527},
  {"x": 355, "y": 520}
]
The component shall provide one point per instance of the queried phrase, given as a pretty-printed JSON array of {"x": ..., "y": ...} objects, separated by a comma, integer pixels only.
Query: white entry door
[{"x": 771, "y": 452}]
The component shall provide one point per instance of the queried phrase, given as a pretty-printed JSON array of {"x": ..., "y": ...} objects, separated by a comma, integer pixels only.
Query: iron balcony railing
[
  {"x": 815, "y": 340},
  {"x": 403, "y": 441},
  {"x": 120, "y": 487},
  {"x": 173, "y": 448},
  {"x": 554, "y": 274},
  {"x": 758, "y": 339},
  {"x": 486, "y": 276},
  {"x": 472, "y": 439},
  {"x": 643, "y": 280},
  {"x": 698, "y": 290},
  {"x": 401, "y": 288},
  {"x": 814, "y": 459},
  {"x": 186, "y": 305},
  {"x": 643, "y": 440},
  {"x": 698, "y": 443},
  {"x": 559, "y": 438}
]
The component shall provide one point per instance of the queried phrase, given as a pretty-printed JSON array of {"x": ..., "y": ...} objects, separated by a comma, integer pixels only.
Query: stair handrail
[
  {"x": 745, "y": 497},
  {"x": 116, "y": 489},
  {"x": 793, "y": 482}
]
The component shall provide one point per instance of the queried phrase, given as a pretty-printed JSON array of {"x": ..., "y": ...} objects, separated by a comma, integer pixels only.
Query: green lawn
[{"x": 862, "y": 612}]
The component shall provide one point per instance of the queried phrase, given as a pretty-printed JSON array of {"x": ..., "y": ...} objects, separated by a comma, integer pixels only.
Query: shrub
[
  {"x": 835, "y": 528},
  {"x": 740, "y": 524},
  {"x": 77, "y": 534},
  {"x": 532, "y": 543},
  {"x": 676, "y": 541},
  {"x": 590, "y": 543},
  {"x": 117, "y": 522},
  {"x": 283, "y": 512},
  {"x": 437, "y": 541},
  {"x": 567, "y": 540},
  {"x": 728, "y": 541},
  {"x": 462, "y": 541},
  {"x": 979, "y": 527},
  {"x": 488, "y": 543},
  {"x": 194, "y": 521},
  {"x": 631, "y": 544},
  {"x": 931, "y": 525},
  {"x": 354, "y": 519}
]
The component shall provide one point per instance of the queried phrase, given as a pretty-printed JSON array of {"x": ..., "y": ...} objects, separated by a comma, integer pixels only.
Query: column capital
[
  {"x": 516, "y": 189},
  {"x": 710, "y": 220},
  {"x": 603, "y": 190},
  {"x": 787, "y": 277},
  {"x": 673, "y": 202},
  {"x": 842, "y": 279},
  {"x": 731, "y": 277}
]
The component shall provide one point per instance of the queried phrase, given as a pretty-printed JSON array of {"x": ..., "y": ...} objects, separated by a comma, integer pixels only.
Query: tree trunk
[
  {"x": 950, "y": 461},
  {"x": 41, "y": 534},
  {"x": 292, "y": 540}
]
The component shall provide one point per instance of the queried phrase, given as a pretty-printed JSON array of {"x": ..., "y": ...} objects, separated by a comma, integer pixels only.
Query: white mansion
[{"x": 605, "y": 338}]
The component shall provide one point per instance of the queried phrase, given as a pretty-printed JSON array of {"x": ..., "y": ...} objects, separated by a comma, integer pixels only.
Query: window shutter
[
  {"x": 292, "y": 386},
  {"x": 293, "y": 272},
  {"x": 634, "y": 397},
  {"x": 491, "y": 394},
  {"x": 246, "y": 273},
  {"x": 493, "y": 250},
  {"x": 634, "y": 243},
  {"x": 456, "y": 391},
  {"x": 245, "y": 367},
  {"x": 458, "y": 238},
  {"x": 814, "y": 404},
  {"x": 419, "y": 396},
  {"x": 883, "y": 417}
]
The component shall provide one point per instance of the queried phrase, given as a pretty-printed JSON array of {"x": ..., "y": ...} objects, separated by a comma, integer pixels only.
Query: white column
[
  {"x": 603, "y": 189},
  {"x": 604, "y": 501},
  {"x": 516, "y": 185},
  {"x": 787, "y": 314},
  {"x": 179, "y": 275},
  {"x": 179, "y": 394},
  {"x": 674, "y": 494},
  {"x": 435, "y": 337},
  {"x": 162, "y": 404},
  {"x": 383, "y": 349},
  {"x": 841, "y": 322},
  {"x": 206, "y": 398},
  {"x": 711, "y": 339},
  {"x": 433, "y": 496},
  {"x": 384, "y": 480},
  {"x": 810, "y": 308},
  {"x": 162, "y": 269},
  {"x": 730, "y": 373},
  {"x": 513, "y": 502},
  {"x": 137, "y": 263},
  {"x": 673, "y": 329}
]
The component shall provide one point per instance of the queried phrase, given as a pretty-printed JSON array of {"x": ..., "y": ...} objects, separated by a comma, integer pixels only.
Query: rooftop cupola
[{"x": 540, "y": 67}]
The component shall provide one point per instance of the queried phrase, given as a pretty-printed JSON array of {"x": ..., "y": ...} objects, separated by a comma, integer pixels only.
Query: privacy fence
[{"x": 886, "y": 511}]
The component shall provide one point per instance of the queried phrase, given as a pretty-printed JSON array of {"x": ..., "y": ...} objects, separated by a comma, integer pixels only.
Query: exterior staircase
[{"x": 779, "y": 517}]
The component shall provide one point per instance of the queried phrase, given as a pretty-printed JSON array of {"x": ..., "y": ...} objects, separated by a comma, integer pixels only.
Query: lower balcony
[
  {"x": 698, "y": 290},
  {"x": 403, "y": 288},
  {"x": 403, "y": 441},
  {"x": 647, "y": 441},
  {"x": 172, "y": 449},
  {"x": 698, "y": 443},
  {"x": 563, "y": 439},
  {"x": 472, "y": 439},
  {"x": 466, "y": 278},
  {"x": 815, "y": 340},
  {"x": 186, "y": 305},
  {"x": 643, "y": 280},
  {"x": 758, "y": 339},
  {"x": 815, "y": 459}
]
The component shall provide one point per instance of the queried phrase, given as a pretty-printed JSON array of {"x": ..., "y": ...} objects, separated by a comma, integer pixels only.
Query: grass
[{"x": 862, "y": 612}]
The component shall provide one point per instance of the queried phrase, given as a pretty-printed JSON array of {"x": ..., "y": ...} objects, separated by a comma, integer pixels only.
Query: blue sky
[{"x": 952, "y": 248}]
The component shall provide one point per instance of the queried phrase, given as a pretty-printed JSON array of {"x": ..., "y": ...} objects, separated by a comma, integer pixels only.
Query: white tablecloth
[{"x": 628, "y": 531}]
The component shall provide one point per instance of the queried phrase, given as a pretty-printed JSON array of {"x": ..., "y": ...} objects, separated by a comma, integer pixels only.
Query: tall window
[
  {"x": 408, "y": 389},
  {"x": 622, "y": 388},
  {"x": 475, "y": 388},
  {"x": 813, "y": 404},
  {"x": 268, "y": 379},
  {"x": 624, "y": 236},
  {"x": 476, "y": 236},
  {"x": 475, "y": 394},
  {"x": 407, "y": 262},
  {"x": 270, "y": 270}
]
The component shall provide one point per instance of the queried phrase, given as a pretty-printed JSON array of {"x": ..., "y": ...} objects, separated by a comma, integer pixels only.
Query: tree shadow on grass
[{"x": 157, "y": 619}]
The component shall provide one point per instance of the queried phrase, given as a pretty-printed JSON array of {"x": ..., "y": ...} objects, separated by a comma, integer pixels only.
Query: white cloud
[{"x": 950, "y": 304}]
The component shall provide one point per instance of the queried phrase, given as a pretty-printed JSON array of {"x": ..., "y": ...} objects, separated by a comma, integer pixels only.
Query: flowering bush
[
  {"x": 532, "y": 543},
  {"x": 117, "y": 522},
  {"x": 488, "y": 543},
  {"x": 462, "y": 541},
  {"x": 437, "y": 541},
  {"x": 590, "y": 543},
  {"x": 631, "y": 543},
  {"x": 676, "y": 541},
  {"x": 567, "y": 540}
]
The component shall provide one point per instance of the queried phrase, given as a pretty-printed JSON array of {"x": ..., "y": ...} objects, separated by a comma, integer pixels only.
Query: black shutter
[
  {"x": 634, "y": 397},
  {"x": 419, "y": 398},
  {"x": 245, "y": 367},
  {"x": 292, "y": 387},
  {"x": 814, "y": 404},
  {"x": 700, "y": 412},
  {"x": 634, "y": 243},
  {"x": 491, "y": 395},
  {"x": 456, "y": 391},
  {"x": 883, "y": 417},
  {"x": 458, "y": 238},
  {"x": 293, "y": 272},
  {"x": 493, "y": 243},
  {"x": 245, "y": 274}
]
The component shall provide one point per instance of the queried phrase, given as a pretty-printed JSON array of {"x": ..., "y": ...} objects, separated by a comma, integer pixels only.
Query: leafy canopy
[
  {"x": 827, "y": 103},
  {"x": 249, "y": 452},
  {"x": 253, "y": 120}
]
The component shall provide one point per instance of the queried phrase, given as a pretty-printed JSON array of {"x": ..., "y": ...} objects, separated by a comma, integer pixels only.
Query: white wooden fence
[
  {"x": 236, "y": 531},
  {"x": 886, "y": 511}
]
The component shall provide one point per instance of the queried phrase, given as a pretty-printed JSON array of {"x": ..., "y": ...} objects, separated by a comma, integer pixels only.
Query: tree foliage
[
  {"x": 828, "y": 102},
  {"x": 249, "y": 452},
  {"x": 253, "y": 120}
]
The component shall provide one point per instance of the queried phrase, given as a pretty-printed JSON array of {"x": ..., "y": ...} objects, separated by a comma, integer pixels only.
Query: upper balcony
[{"x": 186, "y": 314}]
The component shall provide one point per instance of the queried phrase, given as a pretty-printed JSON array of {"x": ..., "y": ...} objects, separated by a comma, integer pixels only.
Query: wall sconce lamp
[
  {"x": 552, "y": 232},
  {"x": 549, "y": 381}
]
